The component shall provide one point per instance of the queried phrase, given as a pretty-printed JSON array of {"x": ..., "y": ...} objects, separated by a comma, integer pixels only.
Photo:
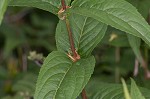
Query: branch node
[
  {"x": 61, "y": 13},
  {"x": 74, "y": 58}
]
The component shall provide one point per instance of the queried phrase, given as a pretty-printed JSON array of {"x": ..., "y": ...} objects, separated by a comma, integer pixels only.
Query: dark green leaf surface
[
  {"x": 87, "y": 33},
  {"x": 135, "y": 43},
  {"x": 135, "y": 92},
  {"x": 117, "y": 13},
  {"x": 48, "y": 5},
  {"x": 143, "y": 6},
  {"x": 100, "y": 90},
  {"x": 3, "y": 7},
  {"x": 60, "y": 78}
]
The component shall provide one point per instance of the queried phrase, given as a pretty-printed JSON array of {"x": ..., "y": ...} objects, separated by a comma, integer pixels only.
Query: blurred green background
[{"x": 27, "y": 35}]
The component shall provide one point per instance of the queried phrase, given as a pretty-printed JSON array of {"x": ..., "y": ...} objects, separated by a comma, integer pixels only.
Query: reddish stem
[
  {"x": 69, "y": 32},
  {"x": 84, "y": 94},
  {"x": 72, "y": 42},
  {"x": 71, "y": 38},
  {"x": 63, "y": 4}
]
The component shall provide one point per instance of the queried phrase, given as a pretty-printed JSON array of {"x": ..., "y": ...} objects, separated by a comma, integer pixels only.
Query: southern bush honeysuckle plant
[{"x": 81, "y": 27}]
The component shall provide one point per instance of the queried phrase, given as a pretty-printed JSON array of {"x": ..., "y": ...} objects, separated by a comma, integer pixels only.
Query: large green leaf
[
  {"x": 99, "y": 90},
  {"x": 60, "y": 78},
  {"x": 3, "y": 7},
  {"x": 117, "y": 13},
  {"x": 48, "y": 5},
  {"x": 135, "y": 92},
  {"x": 87, "y": 33},
  {"x": 143, "y": 6},
  {"x": 135, "y": 43}
]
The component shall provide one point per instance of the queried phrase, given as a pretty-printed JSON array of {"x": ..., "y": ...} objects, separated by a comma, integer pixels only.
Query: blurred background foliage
[{"x": 27, "y": 35}]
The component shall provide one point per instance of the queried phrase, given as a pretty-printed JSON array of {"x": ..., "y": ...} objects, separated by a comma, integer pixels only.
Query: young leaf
[
  {"x": 117, "y": 13},
  {"x": 135, "y": 43},
  {"x": 3, "y": 7},
  {"x": 135, "y": 92},
  {"x": 60, "y": 78},
  {"x": 48, "y": 5},
  {"x": 125, "y": 89},
  {"x": 87, "y": 33}
]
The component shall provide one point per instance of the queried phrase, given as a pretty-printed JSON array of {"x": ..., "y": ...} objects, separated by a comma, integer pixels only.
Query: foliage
[{"x": 86, "y": 30}]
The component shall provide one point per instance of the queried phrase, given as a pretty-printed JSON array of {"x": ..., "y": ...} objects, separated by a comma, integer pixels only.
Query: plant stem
[
  {"x": 71, "y": 42},
  {"x": 69, "y": 31},
  {"x": 70, "y": 38},
  {"x": 136, "y": 68},
  {"x": 63, "y": 4},
  {"x": 84, "y": 94}
]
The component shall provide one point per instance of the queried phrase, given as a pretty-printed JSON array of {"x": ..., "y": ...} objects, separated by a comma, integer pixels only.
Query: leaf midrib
[
  {"x": 61, "y": 82},
  {"x": 81, "y": 33}
]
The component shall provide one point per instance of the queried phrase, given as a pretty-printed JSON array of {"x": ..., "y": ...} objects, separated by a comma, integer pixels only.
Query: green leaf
[
  {"x": 48, "y": 5},
  {"x": 60, "y": 78},
  {"x": 117, "y": 13},
  {"x": 3, "y": 7},
  {"x": 135, "y": 92},
  {"x": 87, "y": 33},
  {"x": 125, "y": 88},
  {"x": 143, "y": 6},
  {"x": 135, "y": 43},
  {"x": 101, "y": 90}
]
